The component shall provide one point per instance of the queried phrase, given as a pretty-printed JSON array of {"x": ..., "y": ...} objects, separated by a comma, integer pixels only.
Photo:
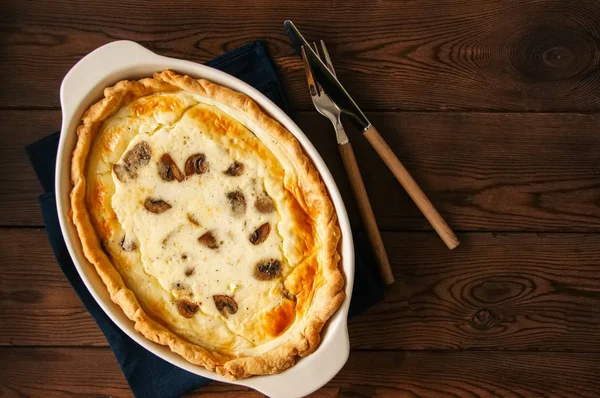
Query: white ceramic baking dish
[{"x": 83, "y": 86}]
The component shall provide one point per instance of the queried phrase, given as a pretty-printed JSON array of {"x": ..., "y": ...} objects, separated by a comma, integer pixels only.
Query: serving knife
[{"x": 334, "y": 89}]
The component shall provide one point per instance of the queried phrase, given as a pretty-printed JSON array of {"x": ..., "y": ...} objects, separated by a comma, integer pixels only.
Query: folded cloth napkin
[{"x": 148, "y": 375}]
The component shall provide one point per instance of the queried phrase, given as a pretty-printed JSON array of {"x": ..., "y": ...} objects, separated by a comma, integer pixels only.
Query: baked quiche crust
[{"x": 317, "y": 293}]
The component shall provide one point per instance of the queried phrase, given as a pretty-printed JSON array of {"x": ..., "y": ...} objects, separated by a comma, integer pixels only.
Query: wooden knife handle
[
  {"x": 366, "y": 212},
  {"x": 411, "y": 187}
]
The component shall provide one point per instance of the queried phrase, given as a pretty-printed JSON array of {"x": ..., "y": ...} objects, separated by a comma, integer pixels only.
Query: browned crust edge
[{"x": 316, "y": 203}]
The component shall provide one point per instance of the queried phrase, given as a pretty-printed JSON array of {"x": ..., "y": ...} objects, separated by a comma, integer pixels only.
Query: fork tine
[
  {"x": 326, "y": 58},
  {"x": 309, "y": 75},
  {"x": 316, "y": 49},
  {"x": 318, "y": 55}
]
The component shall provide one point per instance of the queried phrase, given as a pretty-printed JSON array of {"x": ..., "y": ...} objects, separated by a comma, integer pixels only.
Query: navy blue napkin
[{"x": 148, "y": 375}]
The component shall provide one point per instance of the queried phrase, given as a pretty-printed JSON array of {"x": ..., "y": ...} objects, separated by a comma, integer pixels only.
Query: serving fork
[
  {"x": 326, "y": 107},
  {"x": 338, "y": 94}
]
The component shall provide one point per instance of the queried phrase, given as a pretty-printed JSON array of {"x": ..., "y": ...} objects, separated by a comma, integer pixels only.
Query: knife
[{"x": 334, "y": 89}]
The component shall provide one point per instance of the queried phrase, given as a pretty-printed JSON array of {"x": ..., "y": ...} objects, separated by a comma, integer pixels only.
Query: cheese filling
[{"x": 218, "y": 256}]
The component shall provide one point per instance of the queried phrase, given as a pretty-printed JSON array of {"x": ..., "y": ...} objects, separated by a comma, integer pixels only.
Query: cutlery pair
[{"x": 331, "y": 100}]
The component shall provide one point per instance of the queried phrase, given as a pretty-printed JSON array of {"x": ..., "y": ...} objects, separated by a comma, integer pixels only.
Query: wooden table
[{"x": 492, "y": 105}]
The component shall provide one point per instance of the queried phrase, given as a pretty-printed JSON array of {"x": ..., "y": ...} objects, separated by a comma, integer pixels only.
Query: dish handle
[
  {"x": 308, "y": 375},
  {"x": 100, "y": 65}
]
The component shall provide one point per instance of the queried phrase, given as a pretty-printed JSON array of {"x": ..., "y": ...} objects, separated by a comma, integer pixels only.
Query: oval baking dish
[{"x": 81, "y": 87}]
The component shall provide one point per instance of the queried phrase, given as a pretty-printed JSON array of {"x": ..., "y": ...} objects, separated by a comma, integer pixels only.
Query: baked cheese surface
[
  {"x": 207, "y": 248},
  {"x": 207, "y": 222}
]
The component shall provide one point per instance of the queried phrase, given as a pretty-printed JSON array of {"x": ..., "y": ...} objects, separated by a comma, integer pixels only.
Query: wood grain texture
[
  {"x": 36, "y": 301},
  {"x": 499, "y": 172},
  {"x": 61, "y": 372},
  {"x": 515, "y": 55},
  {"x": 493, "y": 106},
  {"x": 499, "y": 292},
  {"x": 366, "y": 213},
  {"x": 20, "y": 187},
  {"x": 514, "y": 291}
]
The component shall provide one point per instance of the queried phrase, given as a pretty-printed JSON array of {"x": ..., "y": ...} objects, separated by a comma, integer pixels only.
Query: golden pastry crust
[{"x": 326, "y": 294}]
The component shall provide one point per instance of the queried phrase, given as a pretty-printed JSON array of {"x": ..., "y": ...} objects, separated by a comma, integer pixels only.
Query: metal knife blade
[{"x": 328, "y": 81}]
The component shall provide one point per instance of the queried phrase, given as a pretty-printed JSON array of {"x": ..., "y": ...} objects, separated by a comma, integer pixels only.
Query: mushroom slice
[
  {"x": 196, "y": 164},
  {"x": 208, "y": 240},
  {"x": 120, "y": 171},
  {"x": 267, "y": 270},
  {"x": 260, "y": 234},
  {"x": 128, "y": 245},
  {"x": 168, "y": 170},
  {"x": 225, "y": 304},
  {"x": 137, "y": 156},
  {"x": 156, "y": 206},
  {"x": 264, "y": 204},
  {"x": 186, "y": 308},
  {"x": 237, "y": 201},
  {"x": 236, "y": 169}
]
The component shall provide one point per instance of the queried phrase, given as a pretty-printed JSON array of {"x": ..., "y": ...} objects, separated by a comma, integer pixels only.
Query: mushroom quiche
[{"x": 209, "y": 225}]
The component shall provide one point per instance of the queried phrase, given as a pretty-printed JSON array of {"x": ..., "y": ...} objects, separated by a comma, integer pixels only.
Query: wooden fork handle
[
  {"x": 366, "y": 212},
  {"x": 411, "y": 187}
]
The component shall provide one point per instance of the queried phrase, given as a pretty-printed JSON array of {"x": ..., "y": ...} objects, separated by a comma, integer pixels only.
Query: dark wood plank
[
  {"x": 18, "y": 197},
  {"x": 34, "y": 292},
  {"x": 498, "y": 172},
  {"x": 535, "y": 55},
  {"x": 62, "y": 372},
  {"x": 497, "y": 292}
]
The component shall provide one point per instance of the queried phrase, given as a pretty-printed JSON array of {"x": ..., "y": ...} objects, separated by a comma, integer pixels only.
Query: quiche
[{"x": 208, "y": 224}]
